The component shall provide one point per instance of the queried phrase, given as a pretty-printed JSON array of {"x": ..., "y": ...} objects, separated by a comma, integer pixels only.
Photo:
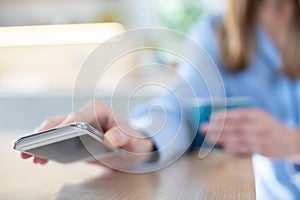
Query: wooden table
[{"x": 218, "y": 176}]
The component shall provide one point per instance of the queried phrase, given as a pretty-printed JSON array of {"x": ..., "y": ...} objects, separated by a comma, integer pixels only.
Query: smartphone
[{"x": 68, "y": 144}]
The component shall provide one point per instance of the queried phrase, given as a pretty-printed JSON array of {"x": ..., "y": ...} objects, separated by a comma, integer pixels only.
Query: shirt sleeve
[
  {"x": 293, "y": 170},
  {"x": 166, "y": 119},
  {"x": 273, "y": 179}
]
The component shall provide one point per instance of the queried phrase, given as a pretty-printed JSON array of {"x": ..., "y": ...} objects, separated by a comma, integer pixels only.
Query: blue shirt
[{"x": 262, "y": 81}]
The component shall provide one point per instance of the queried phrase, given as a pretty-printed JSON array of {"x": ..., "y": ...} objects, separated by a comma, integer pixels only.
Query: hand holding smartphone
[
  {"x": 118, "y": 144},
  {"x": 71, "y": 143}
]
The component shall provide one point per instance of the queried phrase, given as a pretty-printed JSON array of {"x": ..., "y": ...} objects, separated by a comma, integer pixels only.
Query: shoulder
[
  {"x": 204, "y": 33},
  {"x": 204, "y": 30}
]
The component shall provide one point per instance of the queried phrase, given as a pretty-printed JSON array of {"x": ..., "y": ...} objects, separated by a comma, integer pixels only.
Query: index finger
[{"x": 50, "y": 123}]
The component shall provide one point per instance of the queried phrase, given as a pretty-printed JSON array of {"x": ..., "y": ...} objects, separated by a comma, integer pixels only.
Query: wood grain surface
[{"x": 218, "y": 176}]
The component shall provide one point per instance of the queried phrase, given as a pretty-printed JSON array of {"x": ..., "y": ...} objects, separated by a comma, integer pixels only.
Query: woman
[{"x": 256, "y": 46}]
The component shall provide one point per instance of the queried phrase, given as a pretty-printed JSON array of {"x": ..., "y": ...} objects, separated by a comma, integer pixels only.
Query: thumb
[{"x": 115, "y": 137}]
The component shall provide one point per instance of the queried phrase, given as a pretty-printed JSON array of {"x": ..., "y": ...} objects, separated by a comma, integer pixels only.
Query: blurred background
[{"x": 43, "y": 44}]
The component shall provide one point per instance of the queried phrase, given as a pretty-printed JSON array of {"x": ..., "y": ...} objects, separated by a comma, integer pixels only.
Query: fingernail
[
  {"x": 204, "y": 128},
  {"x": 35, "y": 160},
  {"x": 38, "y": 128},
  {"x": 43, "y": 162},
  {"x": 112, "y": 138},
  {"x": 25, "y": 156}
]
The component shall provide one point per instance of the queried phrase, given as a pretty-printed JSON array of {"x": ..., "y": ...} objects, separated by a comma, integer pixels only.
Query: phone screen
[{"x": 73, "y": 149}]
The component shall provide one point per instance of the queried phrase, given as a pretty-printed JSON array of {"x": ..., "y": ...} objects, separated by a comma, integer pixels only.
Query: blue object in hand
[{"x": 202, "y": 109}]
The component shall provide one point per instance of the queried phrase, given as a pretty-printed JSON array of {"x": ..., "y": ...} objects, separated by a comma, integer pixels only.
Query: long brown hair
[{"x": 237, "y": 38}]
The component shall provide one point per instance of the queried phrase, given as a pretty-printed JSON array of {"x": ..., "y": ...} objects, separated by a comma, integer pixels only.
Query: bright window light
[{"x": 58, "y": 34}]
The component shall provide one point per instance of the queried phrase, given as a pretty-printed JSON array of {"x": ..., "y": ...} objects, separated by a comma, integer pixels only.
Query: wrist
[
  {"x": 296, "y": 141},
  {"x": 295, "y": 146},
  {"x": 153, "y": 156}
]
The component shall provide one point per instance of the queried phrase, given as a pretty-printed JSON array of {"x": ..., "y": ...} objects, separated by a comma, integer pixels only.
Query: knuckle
[
  {"x": 48, "y": 121},
  {"x": 226, "y": 146},
  {"x": 97, "y": 105},
  {"x": 241, "y": 129},
  {"x": 263, "y": 130},
  {"x": 115, "y": 130},
  {"x": 71, "y": 116},
  {"x": 91, "y": 102},
  {"x": 94, "y": 103}
]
